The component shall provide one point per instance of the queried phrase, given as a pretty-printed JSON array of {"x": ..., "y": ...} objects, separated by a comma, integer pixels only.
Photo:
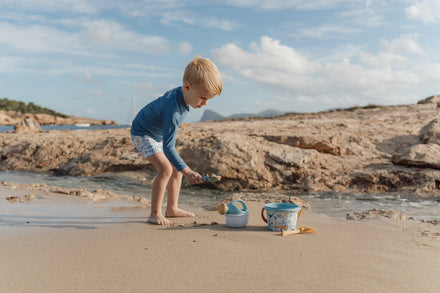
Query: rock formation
[
  {"x": 386, "y": 149},
  {"x": 28, "y": 125}
]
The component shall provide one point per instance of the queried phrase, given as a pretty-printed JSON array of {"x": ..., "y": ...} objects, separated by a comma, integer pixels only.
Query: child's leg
[
  {"x": 164, "y": 172},
  {"x": 173, "y": 196}
]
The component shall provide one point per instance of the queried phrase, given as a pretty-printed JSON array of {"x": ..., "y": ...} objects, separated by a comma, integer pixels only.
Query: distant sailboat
[{"x": 82, "y": 124}]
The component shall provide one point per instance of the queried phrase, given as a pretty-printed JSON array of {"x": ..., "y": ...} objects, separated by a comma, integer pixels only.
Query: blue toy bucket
[{"x": 281, "y": 216}]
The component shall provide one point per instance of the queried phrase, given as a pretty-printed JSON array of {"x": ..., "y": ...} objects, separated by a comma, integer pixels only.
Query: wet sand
[{"x": 62, "y": 243}]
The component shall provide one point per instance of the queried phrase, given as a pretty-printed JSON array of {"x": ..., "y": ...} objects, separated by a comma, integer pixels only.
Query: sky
[{"x": 106, "y": 59}]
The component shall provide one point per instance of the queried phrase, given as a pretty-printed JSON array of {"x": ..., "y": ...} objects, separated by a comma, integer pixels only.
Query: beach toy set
[
  {"x": 281, "y": 217},
  {"x": 236, "y": 217}
]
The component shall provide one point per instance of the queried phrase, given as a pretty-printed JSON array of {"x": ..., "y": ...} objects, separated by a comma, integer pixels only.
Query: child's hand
[{"x": 191, "y": 176}]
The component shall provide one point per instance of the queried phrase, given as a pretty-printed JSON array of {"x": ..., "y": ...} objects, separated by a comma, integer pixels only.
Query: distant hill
[
  {"x": 30, "y": 108},
  {"x": 210, "y": 115},
  {"x": 13, "y": 112}
]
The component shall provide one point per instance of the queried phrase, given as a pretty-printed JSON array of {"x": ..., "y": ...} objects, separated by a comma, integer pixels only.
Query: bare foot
[
  {"x": 159, "y": 220},
  {"x": 178, "y": 213}
]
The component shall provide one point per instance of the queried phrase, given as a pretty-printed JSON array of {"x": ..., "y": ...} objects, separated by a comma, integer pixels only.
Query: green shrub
[
  {"x": 354, "y": 108},
  {"x": 31, "y": 108}
]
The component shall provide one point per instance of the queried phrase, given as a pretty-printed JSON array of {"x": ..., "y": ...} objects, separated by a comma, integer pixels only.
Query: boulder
[
  {"x": 420, "y": 155},
  {"x": 28, "y": 125},
  {"x": 431, "y": 100},
  {"x": 431, "y": 132}
]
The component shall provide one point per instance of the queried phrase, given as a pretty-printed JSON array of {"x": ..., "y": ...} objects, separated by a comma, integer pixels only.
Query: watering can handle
[
  {"x": 241, "y": 202},
  {"x": 262, "y": 215},
  {"x": 265, "y": 220}
]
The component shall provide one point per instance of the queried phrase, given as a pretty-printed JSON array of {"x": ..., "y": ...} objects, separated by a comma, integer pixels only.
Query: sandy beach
[{"x": 62, "y": 243}]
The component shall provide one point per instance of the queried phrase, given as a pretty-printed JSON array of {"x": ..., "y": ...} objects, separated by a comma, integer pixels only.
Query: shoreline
[
  {"x": 336, "y": 204},
  {"x": 76, "y": 244}
]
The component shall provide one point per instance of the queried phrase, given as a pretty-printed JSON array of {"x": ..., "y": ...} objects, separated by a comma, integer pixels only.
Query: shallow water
[
  {"x": 339, "y": 204},
  {"x": 6, "y": 128},
  {"x": 334, "y": 204},
  {"x": 111, "y": 182}
]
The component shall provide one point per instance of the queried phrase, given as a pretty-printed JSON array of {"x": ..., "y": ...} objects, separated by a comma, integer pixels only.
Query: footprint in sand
[{"x": 428, "y": 233}]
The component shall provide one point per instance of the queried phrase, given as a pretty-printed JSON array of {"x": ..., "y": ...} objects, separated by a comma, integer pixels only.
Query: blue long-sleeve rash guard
[{"x": 160, "y": 120}]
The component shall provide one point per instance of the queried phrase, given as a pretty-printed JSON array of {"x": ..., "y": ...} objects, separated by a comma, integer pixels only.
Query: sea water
[
  {"x": 122, "y": 185},
  {"x": 6, "y": 128},
  {"x": 335, "y": 204}
]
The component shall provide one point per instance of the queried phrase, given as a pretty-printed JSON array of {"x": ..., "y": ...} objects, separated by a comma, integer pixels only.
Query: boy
[{"x": 154, "y": 131}]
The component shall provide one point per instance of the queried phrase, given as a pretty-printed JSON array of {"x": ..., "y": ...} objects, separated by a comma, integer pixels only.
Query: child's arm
[{"x": 191, "y": 176}]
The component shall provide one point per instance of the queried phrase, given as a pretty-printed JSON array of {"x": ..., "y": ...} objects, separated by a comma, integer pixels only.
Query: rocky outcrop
[
  {"x": 425, "y": 154},
  {"x": 98, "y": 195},
  {"x": 70, "y": 152},
  {"x": 388, "y": 149},
  {"x": 28, "y": 125},
  {"x": 430, "y": 133},
  {"x": 433, "y": 99},
  {"x": 420, "y": 155},
  {"x": 12, "y": 118}
]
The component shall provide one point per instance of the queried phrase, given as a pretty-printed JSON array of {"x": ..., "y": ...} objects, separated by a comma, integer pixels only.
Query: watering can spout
[{"x": 222, "y": 208}]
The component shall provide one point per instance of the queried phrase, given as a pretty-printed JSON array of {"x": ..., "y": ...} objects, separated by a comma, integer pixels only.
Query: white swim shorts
[{"x": 146, "y": 145}]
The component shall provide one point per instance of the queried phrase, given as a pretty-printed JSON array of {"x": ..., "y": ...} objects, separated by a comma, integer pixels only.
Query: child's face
[{"x": 196, "y": 96}]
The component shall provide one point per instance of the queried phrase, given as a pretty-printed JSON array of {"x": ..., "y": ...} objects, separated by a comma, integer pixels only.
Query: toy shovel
[
  {"x": 214, "y": 178},
  {"x": 301, "y": 230}
]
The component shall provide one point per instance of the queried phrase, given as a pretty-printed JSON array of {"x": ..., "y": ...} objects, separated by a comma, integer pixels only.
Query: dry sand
[{"x": 57, "y": 243}]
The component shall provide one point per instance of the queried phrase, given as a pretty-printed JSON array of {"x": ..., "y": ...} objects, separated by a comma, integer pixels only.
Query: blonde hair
[{"x": 203, "y": 72}]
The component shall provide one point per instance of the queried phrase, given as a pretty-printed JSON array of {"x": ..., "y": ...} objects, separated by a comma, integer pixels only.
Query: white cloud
[
  {"x": 111, "y": 35},
  {"x": 403, "y": 44},
  {"x": 86, "y": 78},
  {"x": 169, "y": 18},
  {"x": 129, "y": 7},
  {"x": 190, "y": 18},
  {"x": 268, "y": 62},
  {"x": 113, "y": 70},
  {"x": 158, "y": 4},
  {"x": 79, "y": 6},
  {"x": 396, "y": 54},
  {"x": 366, "y": 13},
  {"x": 98, "y": 35},
  {"x": 325, "y": 31},
  {"x": 392, "y": 75},
  {"x": 185, "y": 48},
  {"x": 37, "y": 39},
  {"x": 427, "y": 11},
  {"x": 268, "y": 54},
  {"x": 12, "y": 64},
  {"x": 213, "y": 22},
  {"x": 284, "y": 4}
]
